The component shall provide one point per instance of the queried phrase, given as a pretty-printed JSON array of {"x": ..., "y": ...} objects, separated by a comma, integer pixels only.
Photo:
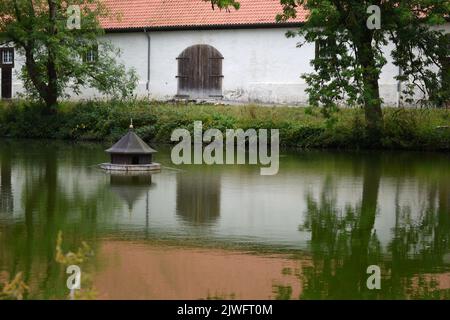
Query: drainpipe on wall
[{"x": 148, "y": 61}]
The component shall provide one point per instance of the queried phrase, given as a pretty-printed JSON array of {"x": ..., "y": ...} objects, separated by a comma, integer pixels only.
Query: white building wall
[{"x": 260, "y": 65}]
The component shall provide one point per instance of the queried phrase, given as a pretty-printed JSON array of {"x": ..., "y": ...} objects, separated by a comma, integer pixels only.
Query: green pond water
[{"x": 196, "y": 232}]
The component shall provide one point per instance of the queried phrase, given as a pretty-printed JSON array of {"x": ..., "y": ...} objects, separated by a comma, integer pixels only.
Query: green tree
[
  {"x": 224, "y": 4},
  {"x": 351, "y": 54},
  {"x": 55, "y": 50}
]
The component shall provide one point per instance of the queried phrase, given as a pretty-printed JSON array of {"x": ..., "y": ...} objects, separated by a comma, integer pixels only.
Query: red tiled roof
[{"x": 189, "y": 13}]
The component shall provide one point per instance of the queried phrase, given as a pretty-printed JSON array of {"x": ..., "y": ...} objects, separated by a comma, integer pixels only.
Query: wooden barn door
[{"x": 200, "y": 73}]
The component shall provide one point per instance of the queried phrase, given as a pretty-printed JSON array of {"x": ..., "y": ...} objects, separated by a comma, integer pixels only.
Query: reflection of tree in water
[
  {"x": 344, "y": 243},
  {"x": 6, "y": 195},
  {"x": 198, "y": 196},
  {"x": 29, "y": 246},
  {"x": 420, "y": 244}
]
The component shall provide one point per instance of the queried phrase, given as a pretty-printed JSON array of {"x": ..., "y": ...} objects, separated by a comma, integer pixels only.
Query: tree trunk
[
  {"x": 51, "y": 102},
  {"x": 51, "y": 99},
  {"x": 372, "y": 105},
  {"x": 48, "y": 92},
  {"x": 33, "y": 73},
  {"x": 372, "y": 101}
]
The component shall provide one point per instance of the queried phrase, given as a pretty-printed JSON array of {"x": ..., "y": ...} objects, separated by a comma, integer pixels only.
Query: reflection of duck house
[
  {"x": 131, "y": 188},
  {"x": 131, "y": 154}
]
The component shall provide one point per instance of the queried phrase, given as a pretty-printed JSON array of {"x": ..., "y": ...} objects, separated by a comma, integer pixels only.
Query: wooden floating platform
[{"x": 152, "y": 167}]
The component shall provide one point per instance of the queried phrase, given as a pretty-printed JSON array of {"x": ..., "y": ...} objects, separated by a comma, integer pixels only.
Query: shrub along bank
[{"x": 418, "y": 129}]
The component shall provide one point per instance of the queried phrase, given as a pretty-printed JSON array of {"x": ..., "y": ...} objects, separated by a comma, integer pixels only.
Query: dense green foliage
[
  {"x": 55, "y": 51},
  {"x": 414, "y": 27},
  {"x": 353, "y": 34},
  {"x": 224, "y": 4},
  {"x": 299, "y": 127},
  {"x": 350, "y": 36}
]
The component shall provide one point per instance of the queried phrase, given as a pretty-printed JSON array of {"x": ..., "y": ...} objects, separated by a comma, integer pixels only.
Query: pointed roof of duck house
[{"x": 131, "y": 144}]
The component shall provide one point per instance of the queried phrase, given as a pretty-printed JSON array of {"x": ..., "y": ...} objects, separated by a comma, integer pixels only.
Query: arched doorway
[{"x": 200, "y": 73}]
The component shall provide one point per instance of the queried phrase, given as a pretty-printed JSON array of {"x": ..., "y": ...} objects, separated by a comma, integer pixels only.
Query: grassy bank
[{"x": 419, "y": 129}]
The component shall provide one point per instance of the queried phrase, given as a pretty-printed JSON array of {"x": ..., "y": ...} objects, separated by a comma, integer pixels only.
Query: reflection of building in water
[
  {"x": 6, "y": 196},
  {"x": 198, "y": 196},
  {"x": 131, "y": 188}
]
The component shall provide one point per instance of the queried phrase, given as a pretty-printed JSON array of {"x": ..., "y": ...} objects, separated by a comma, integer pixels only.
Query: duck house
[{"x": 131, "y": 153}]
